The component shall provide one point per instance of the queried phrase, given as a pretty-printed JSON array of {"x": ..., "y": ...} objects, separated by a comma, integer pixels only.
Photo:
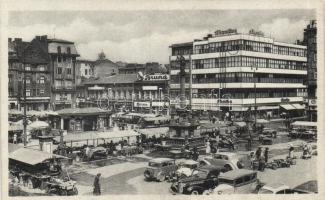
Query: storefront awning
[
  {"x": 298, "y": 106},
  {"x": 288, "y": 107}
]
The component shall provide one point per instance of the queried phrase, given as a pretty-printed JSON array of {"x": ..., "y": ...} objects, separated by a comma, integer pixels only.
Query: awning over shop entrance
[{"x": 288, "y": 107}]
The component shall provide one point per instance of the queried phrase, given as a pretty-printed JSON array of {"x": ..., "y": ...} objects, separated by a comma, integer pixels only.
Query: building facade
[
  {"x": 310, "y": 40},
  {"x": 237, "y": 72},
  {"x": 147, "y": 68},
  {"x": 84, "y": 70},
  {"x": 129, "y": 92},
  {"x": 104, "y": 67},
  {"x": 63, "y": 56},
  {"x": 29, "y": 61}
]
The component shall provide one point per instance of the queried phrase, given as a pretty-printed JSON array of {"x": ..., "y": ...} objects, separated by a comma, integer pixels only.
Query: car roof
[
  {"x": 226, "y": 153},
  {"x": 160, "y": 160},
  {"x": 190, "y": 162},
  {"x": 275, "y": 186},
  {"x": 237, "y": 173},
  {"x": 211, "y": 167},
  {"x": 309, "y": 186}
]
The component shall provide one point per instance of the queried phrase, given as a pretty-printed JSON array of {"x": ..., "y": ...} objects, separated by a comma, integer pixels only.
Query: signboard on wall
[
  {"x": 153, "y": 77},
  {"x": 152, "y": 88},
  {"x": 142, "y": 104}
]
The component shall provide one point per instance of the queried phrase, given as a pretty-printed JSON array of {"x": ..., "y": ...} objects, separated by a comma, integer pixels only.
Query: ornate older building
[{"x": 29, "y": 60}]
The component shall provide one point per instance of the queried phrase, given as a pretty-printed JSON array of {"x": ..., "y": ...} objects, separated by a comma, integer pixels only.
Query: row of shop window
[{"x": 235, "y": 45}]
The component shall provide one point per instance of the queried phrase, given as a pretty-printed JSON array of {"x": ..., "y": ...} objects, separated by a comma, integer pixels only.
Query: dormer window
[{"x": 59, "y": 49}]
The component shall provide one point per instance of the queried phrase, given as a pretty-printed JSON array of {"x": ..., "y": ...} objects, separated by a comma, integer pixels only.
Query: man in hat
[{"x": 97, "y": 185}]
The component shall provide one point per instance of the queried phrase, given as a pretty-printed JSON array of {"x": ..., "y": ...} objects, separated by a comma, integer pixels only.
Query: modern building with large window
[{"x": 236, "y": 72}]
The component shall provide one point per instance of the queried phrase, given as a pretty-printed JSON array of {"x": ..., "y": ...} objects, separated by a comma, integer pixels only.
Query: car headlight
[{"x": 219, "y": 192}]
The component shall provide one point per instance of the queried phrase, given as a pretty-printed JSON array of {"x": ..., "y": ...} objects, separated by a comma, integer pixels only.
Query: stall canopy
[
  {"x": 288, "y": 107},
  {"x": 298, "y": 106},
  {"x": 38, "y": 125},
  {"x": 15, "y": 112},
  {"x": 154, "y": 131},
  {"x": 262, "y": 121},
  {"x": 304, "y": 123},
  {"x": 30, "y": 156},
  {"x": 82, "y": 111},
  {"x": 99, "y": 135}
]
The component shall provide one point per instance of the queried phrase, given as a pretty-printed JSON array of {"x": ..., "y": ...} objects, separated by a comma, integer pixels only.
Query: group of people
[{"x": 261, "y": 156}]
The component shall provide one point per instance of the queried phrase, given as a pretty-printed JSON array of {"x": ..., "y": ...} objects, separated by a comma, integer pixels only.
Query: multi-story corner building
[
  {"x": 237, "y": 72},
  {"x": 310, "y": 40},
  {"x": 29, "y": 61},
  {"x": 63, "y": 56}
]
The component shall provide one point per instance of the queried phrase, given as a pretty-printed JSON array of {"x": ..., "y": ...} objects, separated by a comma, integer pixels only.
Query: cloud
[
  {"x": 146, "y": 36},
  {"x": 284, "y": 30}
]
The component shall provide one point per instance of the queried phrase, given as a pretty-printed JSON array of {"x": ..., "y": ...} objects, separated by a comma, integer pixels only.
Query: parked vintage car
[
  {"x": 160, "y": 168},
  {"x": 97, "y": 153},
  {"x": 228, "y": 160},
  {"x": 187, "y": 168},
  {"x": 276, "y": 188},
  {"x": 205, "y": 178},
  {"x": 269, "y": 132},
  {"x": 240, "y": 181}
]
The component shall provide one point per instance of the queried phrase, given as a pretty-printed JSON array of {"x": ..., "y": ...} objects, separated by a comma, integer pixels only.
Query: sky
[{"x": 145, "y": 36}]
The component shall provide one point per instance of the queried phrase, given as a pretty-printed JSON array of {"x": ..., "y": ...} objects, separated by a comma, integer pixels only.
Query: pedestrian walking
[
  {"x": 208, "y": 148},
  {"x": 266, "y": 154},
  {"x": 97, "y": 185},
  {"x": 291, "y": 151},
  {"x": 258, "y": 153},
  {"x": 15, "y": 138}
]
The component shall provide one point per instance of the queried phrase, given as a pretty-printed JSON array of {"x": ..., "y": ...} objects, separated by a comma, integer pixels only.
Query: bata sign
[{"x": 156, "y": 77}]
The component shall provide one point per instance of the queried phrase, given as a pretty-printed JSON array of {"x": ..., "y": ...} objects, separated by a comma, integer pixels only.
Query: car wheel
[
  {"x": 227, "y": 168},
  {"x": 195, "y": 192},
  {"x": 146, "y": 175}
]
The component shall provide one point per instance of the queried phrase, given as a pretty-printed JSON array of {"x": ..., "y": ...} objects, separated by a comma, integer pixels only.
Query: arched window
[
  {"x": 59, "y": 49},
  {"x": 42, "y": 80}
]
